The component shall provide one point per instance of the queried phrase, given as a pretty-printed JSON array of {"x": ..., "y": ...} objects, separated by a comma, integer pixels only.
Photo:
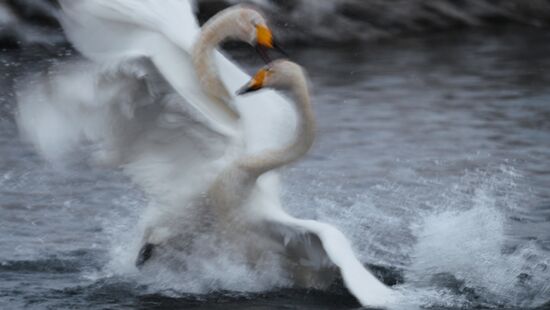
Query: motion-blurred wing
[
  {"x": 129, "y": 116},
  {"x": 105, "y": 30},
  {"x": 164, "y": 31}
]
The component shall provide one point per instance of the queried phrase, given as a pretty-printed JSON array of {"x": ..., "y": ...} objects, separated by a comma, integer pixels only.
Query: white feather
[{"x": 132, "y": 109}]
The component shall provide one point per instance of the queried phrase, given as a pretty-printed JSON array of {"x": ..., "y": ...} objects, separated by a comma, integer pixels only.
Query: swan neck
[
  {"x": 303, "y": 138},
  {"x": 212, "y": 34}
]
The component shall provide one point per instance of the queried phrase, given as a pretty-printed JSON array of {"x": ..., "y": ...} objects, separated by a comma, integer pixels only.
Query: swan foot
[{"x": 144, "y": 254}]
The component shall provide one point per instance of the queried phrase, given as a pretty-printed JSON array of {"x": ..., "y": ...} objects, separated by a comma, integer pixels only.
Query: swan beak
[
  {"x": 264, "y": 36},
  {"x": 262, "y": 51},
  {"x": 278, "y": 48},
  {"x": 255, "y": 84},
  {"x": 265, "y": 41},
  {"x": 248, "y": 88}
]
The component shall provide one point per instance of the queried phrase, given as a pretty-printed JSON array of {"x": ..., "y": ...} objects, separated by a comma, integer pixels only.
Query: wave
[
  {"x": 465, "y": 253},
  {"x": 74, "y": 261},
  {"x": 453, "y": 236},
  {"x": 449, "y": 246},
  {"x": 52, "y": 265}
]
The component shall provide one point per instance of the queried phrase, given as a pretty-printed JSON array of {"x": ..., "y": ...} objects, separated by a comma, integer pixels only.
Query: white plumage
[{"x": 141, "y": 107}]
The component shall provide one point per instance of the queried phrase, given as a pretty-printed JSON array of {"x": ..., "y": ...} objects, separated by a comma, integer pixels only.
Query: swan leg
[
  {"x": 144, "y": 254},
  {"x": 146, "y": 251}
]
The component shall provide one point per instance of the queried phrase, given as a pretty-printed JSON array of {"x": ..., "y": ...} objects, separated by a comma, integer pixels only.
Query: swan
[
  {"x": 309, "y": 247},
  {"x": 240, "y": 23},
  {"x": 166, "y": 34},
  {"x": 131, "y": 112}
]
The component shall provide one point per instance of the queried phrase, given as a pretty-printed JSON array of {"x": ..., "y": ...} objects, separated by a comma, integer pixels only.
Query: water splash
[{"x": 465, "y": 250}]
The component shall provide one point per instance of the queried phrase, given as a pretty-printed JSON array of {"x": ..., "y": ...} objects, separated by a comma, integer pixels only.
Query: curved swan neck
[
  {"x": 213, "y": 33},
  {"x": 258, "y": 164}
]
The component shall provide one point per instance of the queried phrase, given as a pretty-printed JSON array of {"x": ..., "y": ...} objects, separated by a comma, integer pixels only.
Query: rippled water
[{"x": 433, "y": 156}]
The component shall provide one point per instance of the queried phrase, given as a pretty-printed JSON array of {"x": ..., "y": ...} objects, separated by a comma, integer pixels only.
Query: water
[{"x": 432, "y": 156}]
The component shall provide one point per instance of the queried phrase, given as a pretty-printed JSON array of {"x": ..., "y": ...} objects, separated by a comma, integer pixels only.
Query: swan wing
[
  {"x": 324, "y": 243},
  {"x": 174, "y": 19},
  {"x": 125, "y": 115},
  {"x": 164, "y": 31}
]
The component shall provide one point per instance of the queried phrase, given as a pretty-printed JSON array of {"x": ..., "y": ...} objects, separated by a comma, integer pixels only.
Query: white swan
[
  {"x": 166, "y": 33},
  {"x": 132, "y": 109},
  {"x": 234, "y": 208}
]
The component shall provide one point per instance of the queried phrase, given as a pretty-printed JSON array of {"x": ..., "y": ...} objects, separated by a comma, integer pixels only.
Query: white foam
[{"x": 467, "y": 247}]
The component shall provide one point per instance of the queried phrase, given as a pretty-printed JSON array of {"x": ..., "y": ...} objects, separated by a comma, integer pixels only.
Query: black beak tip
[
  {"x": 247, "y": 89},
  {"x": 243, "y": 90},
  {"x": 262, "y": 51},
  {"x": 278, "y": 47}
]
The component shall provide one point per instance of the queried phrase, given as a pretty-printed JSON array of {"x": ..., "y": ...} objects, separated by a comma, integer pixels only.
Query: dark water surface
[{"x": 433, "y": 156}]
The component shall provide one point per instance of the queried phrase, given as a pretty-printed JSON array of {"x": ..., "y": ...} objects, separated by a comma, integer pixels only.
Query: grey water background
[
  {"x": 24, "y": 22},
  {"x": 433, "y": 157}
]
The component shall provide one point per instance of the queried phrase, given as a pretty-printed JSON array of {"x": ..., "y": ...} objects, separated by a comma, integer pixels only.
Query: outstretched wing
[
  {"x": 164, "y": 31},
  {"x": 128, "y": 115},
  {"x": 320, "y": 244}
]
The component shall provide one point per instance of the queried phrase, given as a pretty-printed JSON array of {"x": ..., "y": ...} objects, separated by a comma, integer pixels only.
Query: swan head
[
  {"x": 280, "y": 75},
  {"x": 252, "y": 28}
]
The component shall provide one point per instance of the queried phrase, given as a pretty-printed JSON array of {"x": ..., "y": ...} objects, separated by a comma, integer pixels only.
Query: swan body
[
  {"x": 245, "y": 171},
  {"x": 232, "y": 200},
  {"x": 132, "y": 106}
]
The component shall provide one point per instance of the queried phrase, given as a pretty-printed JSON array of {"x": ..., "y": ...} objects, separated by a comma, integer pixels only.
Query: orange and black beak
[
  {"x": 265, "y": 41},
  {"x": 255, "y": 84}
]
